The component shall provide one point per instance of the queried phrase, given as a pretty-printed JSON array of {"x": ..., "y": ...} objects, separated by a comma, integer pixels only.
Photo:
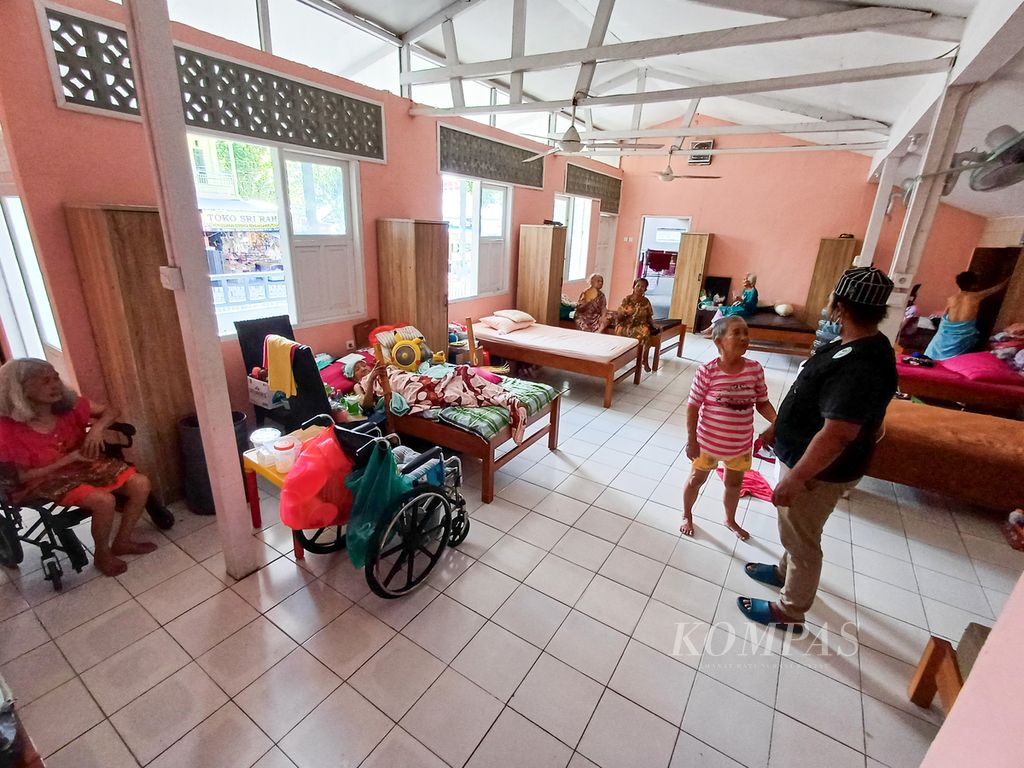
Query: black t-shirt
[{"x": 849, "y": 382}]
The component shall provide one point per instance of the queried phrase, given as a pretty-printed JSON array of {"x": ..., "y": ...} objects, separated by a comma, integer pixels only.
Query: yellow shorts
[{"x": 706, "y": 462}]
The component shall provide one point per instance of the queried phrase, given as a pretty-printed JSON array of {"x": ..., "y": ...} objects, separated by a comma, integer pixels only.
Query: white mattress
[{"x": 581, "y": 345}]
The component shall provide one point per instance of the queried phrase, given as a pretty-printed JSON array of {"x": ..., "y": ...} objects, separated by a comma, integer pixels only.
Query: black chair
[
  {"x": 251, "y": 334},
  {"x": 310, "y": 397}
]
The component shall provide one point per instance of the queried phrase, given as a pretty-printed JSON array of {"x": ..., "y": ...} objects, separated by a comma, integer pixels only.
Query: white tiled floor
[{"x": 573, "y": 627}]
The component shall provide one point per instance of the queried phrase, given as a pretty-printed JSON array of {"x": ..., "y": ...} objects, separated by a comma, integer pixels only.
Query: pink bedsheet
[
  {"x": 563, "y": 341},
  {"x": 950, "y": 380}
]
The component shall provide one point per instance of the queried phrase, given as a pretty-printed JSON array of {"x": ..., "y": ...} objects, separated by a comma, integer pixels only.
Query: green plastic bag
[{"x": 376, "y": 490}]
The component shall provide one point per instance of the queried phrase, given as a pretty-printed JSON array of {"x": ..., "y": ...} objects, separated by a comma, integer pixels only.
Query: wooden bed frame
[
  {"x": 787, "y": 342},
  {"x": 600, "y": 369},
  {"x": 1007, "y": 404},
  {"x": 677, "y": 331},
  {"x": 463, "y": 441}
]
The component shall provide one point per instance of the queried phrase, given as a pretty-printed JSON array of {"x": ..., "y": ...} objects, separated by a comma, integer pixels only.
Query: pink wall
[
  {"x": 769, "y": 211},
  {"x": 979, "y": 730},
  {"x": 61, "y": 156}
]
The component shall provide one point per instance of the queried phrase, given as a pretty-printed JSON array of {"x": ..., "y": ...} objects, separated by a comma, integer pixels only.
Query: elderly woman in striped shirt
[{"x": 720, "y": 419}]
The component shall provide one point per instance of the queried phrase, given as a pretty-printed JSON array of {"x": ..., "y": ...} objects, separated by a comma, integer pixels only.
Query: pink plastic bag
[{"x": 314, "y": 493}]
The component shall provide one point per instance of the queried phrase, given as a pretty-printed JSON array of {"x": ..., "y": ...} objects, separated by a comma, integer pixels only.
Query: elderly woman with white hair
[
  {"x": 45, "y": 436},
  {"x": 745, "y": 304}
]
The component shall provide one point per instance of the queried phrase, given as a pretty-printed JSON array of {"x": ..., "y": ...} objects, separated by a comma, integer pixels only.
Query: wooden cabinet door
[
  {"x": 541, "y": 261},
  {"x": 835, "y": 256},
  {"x": 694, "y": 250}
]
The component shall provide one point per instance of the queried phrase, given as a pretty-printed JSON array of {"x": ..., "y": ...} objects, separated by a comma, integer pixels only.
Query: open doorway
[{"x": 656, "y": 257}]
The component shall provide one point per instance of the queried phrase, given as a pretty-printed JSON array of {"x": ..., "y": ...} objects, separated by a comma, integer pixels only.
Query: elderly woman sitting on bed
[
  {"x": 634, "y": 317},
  {"x": 745, "y": 304},
  {"x": 460, "y": 385},
  {"x": 590, "y": 309}
]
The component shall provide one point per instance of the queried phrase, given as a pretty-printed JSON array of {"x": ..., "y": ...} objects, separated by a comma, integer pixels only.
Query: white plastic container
[
  {"x": 263, "y": 441},
  {"x": 285, "y": 450}
]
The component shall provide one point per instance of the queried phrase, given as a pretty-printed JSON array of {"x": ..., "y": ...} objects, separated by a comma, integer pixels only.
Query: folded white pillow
[
  {"x": 515, "y": 315},
  {"x": 503, "y": 325}
]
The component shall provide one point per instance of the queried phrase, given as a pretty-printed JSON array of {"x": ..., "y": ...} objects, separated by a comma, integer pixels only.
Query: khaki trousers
[{"x": 800, "y": 527}]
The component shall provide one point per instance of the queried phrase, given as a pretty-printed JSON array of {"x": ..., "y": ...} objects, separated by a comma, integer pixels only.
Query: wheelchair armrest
[
  {"x": 423, "y": 458},
  {"x": 127, "y": 431},
  {"x": 364, "y": 427},
  {"x": 321, "y": 420}
]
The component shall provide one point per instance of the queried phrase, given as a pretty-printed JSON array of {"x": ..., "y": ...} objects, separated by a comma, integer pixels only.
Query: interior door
[
  {"x": 605, "y": 255},
  {"x": 992, "y": 266},
  {"x": 691, "y": 265}
]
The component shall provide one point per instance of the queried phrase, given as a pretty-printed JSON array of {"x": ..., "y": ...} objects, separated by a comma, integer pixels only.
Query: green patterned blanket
[{"x": 489, "y": 420}]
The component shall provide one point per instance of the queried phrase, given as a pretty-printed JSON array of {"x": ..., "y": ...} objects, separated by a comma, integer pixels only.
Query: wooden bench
[
  {"x": 771, "y": 333},
  {"x": 943, "y": 669},
  {"x": 667, "y": 330}
]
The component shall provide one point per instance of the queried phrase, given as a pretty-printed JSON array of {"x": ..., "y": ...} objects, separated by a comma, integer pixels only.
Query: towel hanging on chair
[{"x": 277, "y": 359}]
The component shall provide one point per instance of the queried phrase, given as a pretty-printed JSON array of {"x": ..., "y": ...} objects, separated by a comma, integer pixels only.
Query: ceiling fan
[
  {"x": 669, "y": 175},
  {"x": 1002, "y": 165},
  {"x": 572, "y": 143}
]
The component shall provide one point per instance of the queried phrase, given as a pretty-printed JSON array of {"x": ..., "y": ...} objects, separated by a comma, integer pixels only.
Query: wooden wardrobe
[
  {"x": 835, "y": 256},
  {"x": 412, "y": 276},
  {"x": 119, "y": 251},
  {"x": 541, "y": 267},
  {"x": 691, "y": 266}
]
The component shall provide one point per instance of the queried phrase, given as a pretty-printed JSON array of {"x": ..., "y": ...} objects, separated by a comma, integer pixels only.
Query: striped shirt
[{"x": 725, "y": 426}]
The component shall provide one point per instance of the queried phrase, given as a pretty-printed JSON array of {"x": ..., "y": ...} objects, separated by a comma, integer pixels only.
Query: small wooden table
[{"x": 254, "y": 469}]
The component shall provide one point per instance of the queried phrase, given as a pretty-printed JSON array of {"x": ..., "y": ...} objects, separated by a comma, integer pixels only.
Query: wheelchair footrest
[{"x": 69, "y": 517}]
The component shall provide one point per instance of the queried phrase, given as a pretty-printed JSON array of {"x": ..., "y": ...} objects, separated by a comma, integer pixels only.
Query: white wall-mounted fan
[
  {"x": 1001, "y": 166},
  {"x": 669, "y": 175}
]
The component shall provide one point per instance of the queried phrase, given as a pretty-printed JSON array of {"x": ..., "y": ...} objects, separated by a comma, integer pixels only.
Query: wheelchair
[
  {"x": 52, "y": 530},
  {"x": 409, "y": 540}
]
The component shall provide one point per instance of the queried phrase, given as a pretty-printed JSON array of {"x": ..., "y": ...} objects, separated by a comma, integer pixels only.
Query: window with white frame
[
  {"x": 278, "y": 231},
  {"x": 477, "y": 213},
  {"x": 575, "y": 213},
  {"x": 25, "y": 310},
  {"x": 231, "y": 19}
]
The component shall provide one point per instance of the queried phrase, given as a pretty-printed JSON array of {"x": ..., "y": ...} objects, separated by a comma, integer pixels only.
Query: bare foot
[
  {"x": 110, "y": 566},
  {"x": 741, "y": 533},
  {"x": 687, "y": 527},
  {"x": 132, "y": 548}
]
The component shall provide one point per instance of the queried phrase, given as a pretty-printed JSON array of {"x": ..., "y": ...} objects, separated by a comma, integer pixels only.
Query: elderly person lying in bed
[{"x": 459, "y": 385}]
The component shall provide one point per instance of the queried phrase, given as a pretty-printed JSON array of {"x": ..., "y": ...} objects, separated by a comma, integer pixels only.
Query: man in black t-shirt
[{"x": 824, "y": 436}]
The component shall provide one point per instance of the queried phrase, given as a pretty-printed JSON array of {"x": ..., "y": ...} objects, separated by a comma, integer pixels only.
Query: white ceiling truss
[
  {"x": 855, "y": 20},
  {"x": 860, "y": 75}
]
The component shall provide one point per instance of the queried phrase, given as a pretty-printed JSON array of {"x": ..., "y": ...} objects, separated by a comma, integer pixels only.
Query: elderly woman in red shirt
[{"x": 45, "y": 436}]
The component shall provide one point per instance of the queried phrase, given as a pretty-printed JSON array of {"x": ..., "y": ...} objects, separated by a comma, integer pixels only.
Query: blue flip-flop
[
  {"x": 765, "y": 574},
  {"x": 761, "y": 612}
]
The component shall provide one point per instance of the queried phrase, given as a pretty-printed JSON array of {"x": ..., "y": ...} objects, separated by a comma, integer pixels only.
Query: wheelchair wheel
[
  {"x": 322, "y": 541},
  {"x": 406, "y": 546},
  {"x": 73, "y": 548},
  {"x": 161, "y": 516},
  {"x": 460, "y": 529},
  {"x": 11, "y": 553},
  {"x": 53, "y": 574}
]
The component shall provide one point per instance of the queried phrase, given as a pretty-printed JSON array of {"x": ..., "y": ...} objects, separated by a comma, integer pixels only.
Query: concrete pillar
[
  {"x": 156, "y": 78},
  {"x": 886, "y": 180},
  {"x": 924, "y": 200}
]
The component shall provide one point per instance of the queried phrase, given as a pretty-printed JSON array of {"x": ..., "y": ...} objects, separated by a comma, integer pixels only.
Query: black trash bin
[{"x": 198, "y": 494}]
